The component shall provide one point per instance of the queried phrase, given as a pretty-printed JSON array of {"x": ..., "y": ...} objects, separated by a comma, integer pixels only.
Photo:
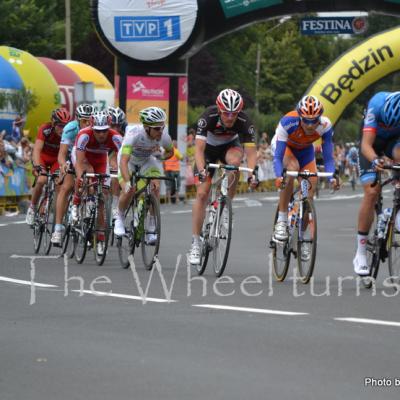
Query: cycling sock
[
  {"x": 282, "y": 216},
  {"x": 115, "y": 200},
  {"x": 58, "y": 227},
  {"x": 362, "y": 243},
  {"x": 196, "y": 239}
]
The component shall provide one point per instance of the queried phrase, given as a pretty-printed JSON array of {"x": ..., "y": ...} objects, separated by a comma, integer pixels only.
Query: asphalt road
[{"x": 245, "y": 336}]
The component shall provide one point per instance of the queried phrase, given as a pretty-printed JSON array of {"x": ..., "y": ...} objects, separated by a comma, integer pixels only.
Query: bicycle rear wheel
[
  {"x": 38, "y": 226},
  {"x": 204, "y": 243},
  {"x": 221, "y": 235},
  {"x": 373, "y": 258},
  {"x": 307, "y": 241},
  {"x": 49, "y": 223},
  {"x": 151, "y": 226},
  {"x": 101, "y": 256},
  {"x": 81, "y": 235},
  {"x": 393, "y": 247}
]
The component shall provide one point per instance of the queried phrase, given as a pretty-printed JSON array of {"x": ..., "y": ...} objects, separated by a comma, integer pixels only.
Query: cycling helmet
[
  {"x": 117, "y": 115},
  {"x": 229, "y": 100},
  {"x": 60, "y": 116},
  {"x": 309, "y": 107},
  {"x": 391, "y": 110},
  {"x": 84, "y": 111},
  {"x": 153, "y": 116},
  {"x": 100, "y": 121}
]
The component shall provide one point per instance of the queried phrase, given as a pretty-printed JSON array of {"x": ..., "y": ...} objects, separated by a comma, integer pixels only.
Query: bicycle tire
[
  {"x": 220, "y": 259},
  {"x": 48, "y": 228},
  {"x": 150, "y": 251},
  {"x": 126, "y": 244},
  {"x": 100, "y": 258},
  {"x": 280, "y": 272},
  {"x": 373, "y": 258},
  {"x": 393, "y": 248},
  {"x": 204, "y": 243},
  {"x": 81, "y": 235},
  {"x": 305, "y": 272},
  {"x": 38, "y": 226}
]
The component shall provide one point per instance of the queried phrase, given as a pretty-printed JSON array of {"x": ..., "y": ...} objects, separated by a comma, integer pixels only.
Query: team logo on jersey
[
  {"x": 47, "y": 132},
  {"x": 202, "y": 123}
]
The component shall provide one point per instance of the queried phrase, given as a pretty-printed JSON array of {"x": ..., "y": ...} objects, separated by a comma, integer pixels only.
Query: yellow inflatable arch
[{"x": 361, "y": 66}]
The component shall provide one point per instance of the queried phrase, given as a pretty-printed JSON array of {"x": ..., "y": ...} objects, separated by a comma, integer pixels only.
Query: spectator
[
  {"x": 264, "y": 138},
  {"x": 17, "y": 131},
  {"x": 5, "y": 159},
  {"x": 24, "y": 152},
  {"x": 173, "y": 170}
]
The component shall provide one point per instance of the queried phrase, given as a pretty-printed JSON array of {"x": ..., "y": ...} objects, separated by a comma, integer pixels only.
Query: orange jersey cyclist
[
  {"x": 293, "y": 150},
  {"x": 221, "y": 131}
]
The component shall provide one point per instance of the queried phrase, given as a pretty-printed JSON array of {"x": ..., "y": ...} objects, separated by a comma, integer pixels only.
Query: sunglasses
[
  {"x": 307, "y": 121},
  {"x": 157, "y": 128},
  {"x": 229, "y": 114}
]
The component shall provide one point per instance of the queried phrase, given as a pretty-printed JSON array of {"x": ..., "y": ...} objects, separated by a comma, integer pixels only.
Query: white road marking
[
  {"x": 13, "y": 223},
  {"x": 249, "y": 309},
  {"x": 124, "y": 296},
  {"x": 253, "y": 203},
  {"x": 181, "y": 212},
  {"x": 369, "y": 321},
  {"x": 22, "y": 282}
]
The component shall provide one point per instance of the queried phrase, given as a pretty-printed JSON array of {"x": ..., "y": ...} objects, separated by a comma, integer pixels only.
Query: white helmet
[
  {"x": 230, "y": 101},
  {"x": 100, "y": 121},
  {"x": 152, "y": 116},
  {"x": 84, "y": 111},
  {"x": 117, "y": 115}
]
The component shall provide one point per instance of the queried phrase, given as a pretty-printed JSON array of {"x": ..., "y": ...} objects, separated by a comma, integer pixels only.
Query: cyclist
[
  {"x": 118, "y": 123},
  {"x": 141, "y": 146},
  {"x": 293, "y": 149},
  {"x": 221, "y": 131},
  {"x": 45, "y": 153},
  {"x": 82, "y": 120},
  {"x": 352, "y": 160},
  {"x": 381, "y": 131},
  {"x": 90, "y": 154}
]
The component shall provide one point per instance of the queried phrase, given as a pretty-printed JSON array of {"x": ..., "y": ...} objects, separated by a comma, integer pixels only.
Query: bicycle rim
[
  {"x": 393, "y": 246},
  {"x": 280, "y": 256},
  {"x": 205, "y": 245},
  {"x": 126, "y": 243},
  {"x": 307, "y": 242},
  {"x": 37, "y": 236},
  {"x": 222, "y": 236},
  {"x": 150, "y": 251},
  {"x": 100, "y": 257}
]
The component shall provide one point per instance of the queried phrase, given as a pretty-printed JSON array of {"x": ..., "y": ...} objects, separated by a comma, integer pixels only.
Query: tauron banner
[
  {"x": 232, "y": 8},
  {"x": 348, "y": 76},
  {"x": 147, "y": 29}
]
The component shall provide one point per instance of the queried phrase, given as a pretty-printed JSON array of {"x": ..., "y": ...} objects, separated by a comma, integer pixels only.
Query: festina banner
[{"x": 333, "y": 26}]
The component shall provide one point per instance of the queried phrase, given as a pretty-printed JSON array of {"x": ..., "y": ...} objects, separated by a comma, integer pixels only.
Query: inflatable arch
[{"x": 351, "y": 73}]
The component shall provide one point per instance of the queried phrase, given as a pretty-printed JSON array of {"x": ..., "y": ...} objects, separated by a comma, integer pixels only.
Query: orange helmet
[{"x": 309, "y": 107}]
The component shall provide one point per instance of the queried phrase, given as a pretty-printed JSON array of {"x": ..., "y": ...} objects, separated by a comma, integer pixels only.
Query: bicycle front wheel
[
  {"x": 221, "y": 235},
  {"x": 100, "y": 252},
  {"x": 126, "y": 243},
  {"x": 49, "y": 222},
  {"x": 307, "y": 241},
  {"x": 81, "y": 235},
  {"x": 37, "y": 234},
  {"x": 204, "y": 242},
  {"x": 393, "y": 247},
  {"x": 373, "y": 257},
  {"x": 151, "y": 220},
  {"x": 280, "y": 255}
]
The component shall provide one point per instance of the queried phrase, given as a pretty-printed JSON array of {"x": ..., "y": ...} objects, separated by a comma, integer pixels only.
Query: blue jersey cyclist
[
  {"x": 380, "y": 135},
  {"x": 352, "y": 156},
  {"x": 70, "y": 132},
  {"x": 292, "y": 146}
]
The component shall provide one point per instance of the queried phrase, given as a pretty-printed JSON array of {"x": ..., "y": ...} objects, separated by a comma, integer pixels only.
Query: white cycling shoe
[
  {"x": 100, "y": 248},
  {"x": 119, "y": 226},
  {"x": 360, "y": 265},
  {"x": 56, "y": 238},
  {"x": 194, "y": 255},
  {"x": 30, "y": 216},
  {"x": 305, "y": 252},
  {"x": 281, "y": 231}
]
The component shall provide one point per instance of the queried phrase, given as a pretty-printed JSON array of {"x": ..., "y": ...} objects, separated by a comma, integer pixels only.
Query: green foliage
[
  {"x": 21, "y": 100},
  {"x": 194, "y": 114}
]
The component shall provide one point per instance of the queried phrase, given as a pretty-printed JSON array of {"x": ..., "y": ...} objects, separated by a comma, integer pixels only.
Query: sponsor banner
[
  {"x": 342, "y": 82},
  {"x": 232, "y": 8},
  {"x": 67, "y": 97},
  {"x": 183, "y": 101},
  {"x": 147, "y": 88},
  {"x": 13, "y": 181},
  {"x": 333, "y": 25},
  {"x": 148, "y": 29}
]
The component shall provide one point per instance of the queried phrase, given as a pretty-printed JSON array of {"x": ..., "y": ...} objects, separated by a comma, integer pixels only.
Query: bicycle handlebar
[
  {"x": 94, "y": 175},
  {"x": 395, "y": 167},
  {"x": 307, "y": 174},
  {"x": 228, "y": 167}
]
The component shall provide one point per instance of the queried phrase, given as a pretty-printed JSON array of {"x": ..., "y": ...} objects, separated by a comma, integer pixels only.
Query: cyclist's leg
[
  {"x": 291, "y": 163},
  {"x": 306, "y": 159},
  {"x": 115, "y": 188}
]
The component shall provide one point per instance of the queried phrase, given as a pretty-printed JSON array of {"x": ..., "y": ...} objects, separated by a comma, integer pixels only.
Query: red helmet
[
  {"x": 229, "y": 101},
  {"x": 60, "y": 116},
  {"x": 310, "y": 107}
]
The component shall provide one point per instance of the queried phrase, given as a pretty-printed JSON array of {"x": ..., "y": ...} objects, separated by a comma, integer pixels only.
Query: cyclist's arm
[
  {"x": 124, "y": 161},
  {"x": 200, "y": 146},
  {"x": 278, "y": 157},
  {"x": 37, "y": 149},
  {"x": 62, "y": 154},
  {"x": 251, "y": 155},
  {"x": 367, "y": 149}
]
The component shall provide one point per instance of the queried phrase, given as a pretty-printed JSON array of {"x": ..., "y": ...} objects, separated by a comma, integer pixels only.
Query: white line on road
[
  {"x": 181, "y": 211},
  {"x": 248, "y": 309},
  {"x": 369, "y": 321},
  {"x": 22, "y": 282},
  {"x": 124, "y": 296}
]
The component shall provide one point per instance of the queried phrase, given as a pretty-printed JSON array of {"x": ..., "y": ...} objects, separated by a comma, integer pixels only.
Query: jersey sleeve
[
  {"x": 247, "y": 137},
  {"x": 40, "y": 134},
  {"x": 81, "y": 141},
  {"x": 281, "y": 140},
  {"x": 327, "y": 150},
  {"x": 203, "y": 125},
  {"x": 69, "y": 133},
  {"x": 166, "y": 142},
  {"x": 372, "y": 114},
  {"x": 128, "y": 142},
  {"x": 116, "y": 140}
]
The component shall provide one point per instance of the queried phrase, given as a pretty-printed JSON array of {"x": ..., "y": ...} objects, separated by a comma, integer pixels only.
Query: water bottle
[
  {"x": 383, "y": 217},
  {"x": 89, "y": 206}
]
